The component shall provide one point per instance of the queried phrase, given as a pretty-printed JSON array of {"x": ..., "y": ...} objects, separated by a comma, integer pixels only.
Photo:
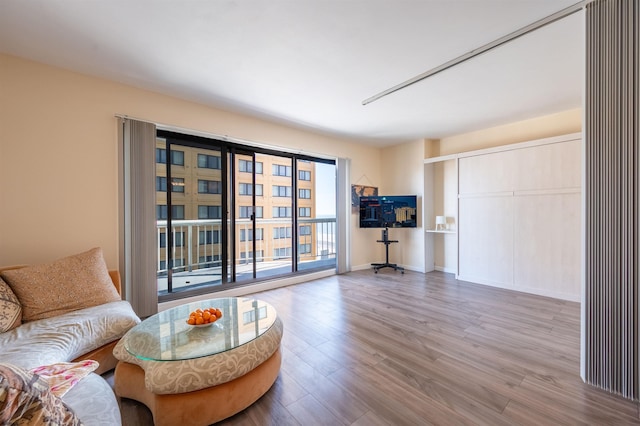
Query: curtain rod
[
  {"x": 226, "y": 138},
  {"x": 492, "y": 45}
]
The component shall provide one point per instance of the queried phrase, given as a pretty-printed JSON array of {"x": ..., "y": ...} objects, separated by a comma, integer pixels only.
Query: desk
[{"x": 386, "y": 264}]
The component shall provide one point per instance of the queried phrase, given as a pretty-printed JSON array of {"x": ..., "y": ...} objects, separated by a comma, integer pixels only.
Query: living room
[{"x": 60, "y": 167}]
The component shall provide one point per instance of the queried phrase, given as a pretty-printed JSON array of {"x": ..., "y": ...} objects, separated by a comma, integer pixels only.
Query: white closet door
[
  {"x": 520, "y": 217},
  {"x": 547, "y": 255},
  {"x": 486, "y": 240}
]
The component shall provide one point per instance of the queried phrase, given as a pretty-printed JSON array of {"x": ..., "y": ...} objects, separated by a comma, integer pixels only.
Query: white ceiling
[{"x": 311, "y": 63}]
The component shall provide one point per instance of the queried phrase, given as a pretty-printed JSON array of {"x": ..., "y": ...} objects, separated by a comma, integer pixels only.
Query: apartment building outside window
[
  {"x": 304, "y": 212},
  {"x": 209, "y": 186},
  {"x": 304, "y": 193},
  {"x": 177, "y": 157},
  {"x": 245, "y": 166},
  {"x": 281, "y": 191},
  {"x": 247, "y": 234},
  {"x": 209, "y": 212},
  {"x": 162, "y": 212},
  {"x": 282, "y": 212},
  {"x": 281, "y": 232},
  {"x": 209, "y": 161},
  {"x": 209, "y": 237},
  {"x": 247, "y": 189},
  {"x": 304, "y": 175},
  {"x": 280, "y": 170}
]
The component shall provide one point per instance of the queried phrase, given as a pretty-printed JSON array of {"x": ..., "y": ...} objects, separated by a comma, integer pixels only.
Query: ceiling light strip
[{"x": 473, "y": 53}]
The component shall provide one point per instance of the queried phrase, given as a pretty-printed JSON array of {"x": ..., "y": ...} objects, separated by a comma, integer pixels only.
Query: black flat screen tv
[{"x": 388, "y": 211}]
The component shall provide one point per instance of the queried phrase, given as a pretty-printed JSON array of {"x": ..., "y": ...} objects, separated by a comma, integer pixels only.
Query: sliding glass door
[
  {"x": 245, "y": 237},
  {"x": 230, "y": 215},
  {"x": 189, "y": 183}
]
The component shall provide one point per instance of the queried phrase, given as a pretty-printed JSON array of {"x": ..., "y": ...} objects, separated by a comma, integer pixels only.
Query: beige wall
[
  {"x": 403, "y": 174},
  {"x": 59, "y": 167},
  {"x": 562, "y": 123}
]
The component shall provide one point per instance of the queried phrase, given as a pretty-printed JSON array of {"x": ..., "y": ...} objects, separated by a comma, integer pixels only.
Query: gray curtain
[
  {"x": 343, "y": 218},
  {"x": 138, "y": 263},
  {"x": 611, "y": 335}
]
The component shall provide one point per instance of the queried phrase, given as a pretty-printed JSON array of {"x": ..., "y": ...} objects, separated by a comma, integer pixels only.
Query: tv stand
[{"x": 386, "y": 241}]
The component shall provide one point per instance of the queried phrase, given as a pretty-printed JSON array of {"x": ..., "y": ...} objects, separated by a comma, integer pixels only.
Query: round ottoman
[{"x": 190, "y": 375}]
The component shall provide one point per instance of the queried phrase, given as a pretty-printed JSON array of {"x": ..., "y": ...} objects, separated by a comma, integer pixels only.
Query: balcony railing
[{"x": 196, "y": 247}]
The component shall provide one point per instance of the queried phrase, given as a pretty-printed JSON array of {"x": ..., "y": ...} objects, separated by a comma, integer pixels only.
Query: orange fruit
[
  {"x": 206, "y": 315},
  {"x": 199, "y": 321},
  {"x": 191, "y": 320}
]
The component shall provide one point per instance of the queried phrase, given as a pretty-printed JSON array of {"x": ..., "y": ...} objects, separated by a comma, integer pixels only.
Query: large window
[{"x": 222, "y": 207}]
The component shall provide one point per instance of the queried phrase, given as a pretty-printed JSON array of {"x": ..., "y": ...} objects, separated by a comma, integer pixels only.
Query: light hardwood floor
[{"x": 414, "y": 349}]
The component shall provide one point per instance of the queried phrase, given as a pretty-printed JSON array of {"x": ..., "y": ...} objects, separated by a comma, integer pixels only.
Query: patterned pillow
[
  {"x": 61, "y": 377},
  {"x": 66, "y": 285},
  {"x": 10, "y": 309},
  {"x": 25, "y": 399}
]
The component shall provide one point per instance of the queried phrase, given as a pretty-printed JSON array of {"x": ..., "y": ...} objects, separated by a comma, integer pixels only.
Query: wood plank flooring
[{"x": 369, "y": 349}]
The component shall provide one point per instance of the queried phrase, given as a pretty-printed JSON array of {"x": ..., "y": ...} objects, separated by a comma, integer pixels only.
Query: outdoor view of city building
[{"x": 190, "y": 253}]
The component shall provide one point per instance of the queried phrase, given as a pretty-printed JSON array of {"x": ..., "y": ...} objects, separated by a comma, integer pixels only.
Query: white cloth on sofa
[{"x": 66, "y": 337}]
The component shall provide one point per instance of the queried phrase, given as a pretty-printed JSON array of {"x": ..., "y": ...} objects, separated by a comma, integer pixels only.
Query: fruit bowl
[
  {"x": 200, "y": 325},
  {"x": 204, "y": 317}
]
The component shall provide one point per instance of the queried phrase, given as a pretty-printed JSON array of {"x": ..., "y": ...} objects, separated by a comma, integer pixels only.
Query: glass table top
[{"x": 166, "y": 336}]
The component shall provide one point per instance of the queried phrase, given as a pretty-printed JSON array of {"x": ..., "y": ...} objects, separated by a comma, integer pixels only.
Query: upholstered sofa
[{"x": 54, "y": 318}]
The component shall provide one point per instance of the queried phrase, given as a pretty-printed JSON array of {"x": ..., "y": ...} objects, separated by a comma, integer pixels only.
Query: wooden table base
[{"x": 202, "y": 407}]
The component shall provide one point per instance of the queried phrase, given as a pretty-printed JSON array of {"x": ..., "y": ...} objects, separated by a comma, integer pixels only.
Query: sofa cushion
[
  {"x": 25, "y": 399},
  {"x": 66, "y": 337},
  {"x": 94, "y": 402},
  {"x": 10, "y": 309},
  {"x": 66, "y": 285}
]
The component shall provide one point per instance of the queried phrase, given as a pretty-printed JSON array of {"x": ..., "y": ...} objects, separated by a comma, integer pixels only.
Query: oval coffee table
[{"x": 190, "y": 375}]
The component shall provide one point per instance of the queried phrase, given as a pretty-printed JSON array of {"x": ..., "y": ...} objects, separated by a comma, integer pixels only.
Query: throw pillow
[
  {"x": 66, "y": 285},
  {"x": 10, "y": 309},
  {"x": 25, "y": 400}
]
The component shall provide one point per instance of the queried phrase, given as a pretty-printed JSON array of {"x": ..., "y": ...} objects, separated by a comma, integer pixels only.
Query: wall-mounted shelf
[{"x": 433, "y": 231}]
